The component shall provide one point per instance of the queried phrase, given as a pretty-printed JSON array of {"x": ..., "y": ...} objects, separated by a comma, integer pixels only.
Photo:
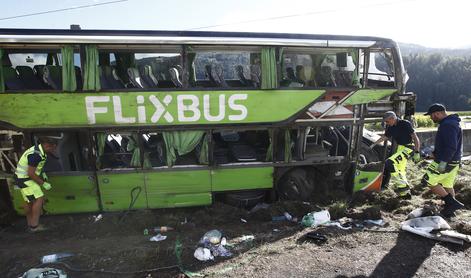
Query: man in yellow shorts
[
  {"x": 441, "y": 174},
  {"x": 408, "y": 145},
  {"x": 30, "y": 177}
]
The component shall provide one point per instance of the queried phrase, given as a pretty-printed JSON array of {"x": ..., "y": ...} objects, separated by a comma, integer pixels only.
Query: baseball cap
[
  {"x": 436, "y": 107},
  {"x": 389, "y": 114}
]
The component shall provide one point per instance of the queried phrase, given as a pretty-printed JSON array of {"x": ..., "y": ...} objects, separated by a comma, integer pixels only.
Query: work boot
[{"x": 451, "y": 205}]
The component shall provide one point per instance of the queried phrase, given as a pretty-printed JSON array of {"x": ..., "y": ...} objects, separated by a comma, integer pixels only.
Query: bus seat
[
  {"x": 217, "y": 72},
  {"x": 240, "y": 73},
  {"x": 113, "y": 78},
  {"x": 136, "y": 79},
  {"x": 39, "y": 72},
  {"x": 255, "y": 74},
  {"x": 343, "y": 78},
  {"x": 301, "y": 74},
  {"x": 53, "y": 77},
  {"x": 326, "y": 78},
  {"x": 28, "y": 79},
  {"x": 148, "y": 76},
  {"x": 175, "y": 77},
  {"x": 78, "y": 77},
  {"x": 12, "y": 82},
  {"x": 243, "y": 152}
]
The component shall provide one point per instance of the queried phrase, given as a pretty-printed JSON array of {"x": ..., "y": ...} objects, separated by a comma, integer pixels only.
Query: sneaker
[{"x": 37, "y": 229}]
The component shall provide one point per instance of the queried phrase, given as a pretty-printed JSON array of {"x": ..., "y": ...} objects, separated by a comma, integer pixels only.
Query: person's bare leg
[
  {"x": 28, "y": 212},
  {"x": 439, "y": 190},
  {"x": 37, "y": 209},
  {"x": 451, "y": 191}
]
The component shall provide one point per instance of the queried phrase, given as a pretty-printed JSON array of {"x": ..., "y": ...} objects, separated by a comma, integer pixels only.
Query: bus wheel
[{"x": 295, "y": 185}]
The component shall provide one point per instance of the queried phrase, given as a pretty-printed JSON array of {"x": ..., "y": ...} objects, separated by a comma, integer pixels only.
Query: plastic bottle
[
  {"x": 55, "y": 257},
  {"x": 162, "y": 229}
]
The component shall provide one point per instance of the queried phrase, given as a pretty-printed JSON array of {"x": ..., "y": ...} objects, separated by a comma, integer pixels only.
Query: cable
[
  {"x": 133, "y": 200},
  {"x": 62, "y": 10},
  {"x": 300, "y": 14}
]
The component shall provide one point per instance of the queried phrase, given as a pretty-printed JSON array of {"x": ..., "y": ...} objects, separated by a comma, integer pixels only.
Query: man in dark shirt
[
  {"x": 408, "y": 146},
  {"x": 441, "y": 174}
]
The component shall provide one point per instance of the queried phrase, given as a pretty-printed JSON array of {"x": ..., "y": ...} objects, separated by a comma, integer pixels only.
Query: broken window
[
  {"x": 231, "y": 146},
  {"x": 224, "y": 68},
  {"x": 72, "y": 153},
  {"x": 35, "y": 69},
  {"x": 319, "y": 68},
  {"x": 381, "y": 69},
  {"x": 141, "y": 69},
  {"x": 118, "y": 150}
]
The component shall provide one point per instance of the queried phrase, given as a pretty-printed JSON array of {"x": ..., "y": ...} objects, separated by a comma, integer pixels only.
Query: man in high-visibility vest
[
  {"x": 441, "y": 173},
  {"x": 408, "y": 146},
  {"x": 30, "y": 177}
]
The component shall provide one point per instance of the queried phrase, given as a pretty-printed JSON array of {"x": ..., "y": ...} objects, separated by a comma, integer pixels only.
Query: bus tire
[{"x": 295, "y": 185}]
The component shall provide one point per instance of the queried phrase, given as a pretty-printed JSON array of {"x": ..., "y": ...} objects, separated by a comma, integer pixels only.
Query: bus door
[
  {"x": 187, "y": 181},
  {"x": 74, "y": 187},
  {"x": 120, "y": 177}
]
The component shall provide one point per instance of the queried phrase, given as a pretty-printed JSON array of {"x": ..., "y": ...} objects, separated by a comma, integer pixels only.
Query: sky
[{"x": 430, "y": 23}]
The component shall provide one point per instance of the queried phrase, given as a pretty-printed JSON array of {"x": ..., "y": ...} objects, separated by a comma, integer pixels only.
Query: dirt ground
[{"x": 116, "y": 246}]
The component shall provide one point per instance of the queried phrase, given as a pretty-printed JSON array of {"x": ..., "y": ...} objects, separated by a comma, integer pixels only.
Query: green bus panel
[
  {"x": 171, "y": 200},
  {"x": 178, "y": 188},
  {"x": 242, "y": 178},
  {"x": 117, "y": 190},
  {"x": 71, "y": 194}
]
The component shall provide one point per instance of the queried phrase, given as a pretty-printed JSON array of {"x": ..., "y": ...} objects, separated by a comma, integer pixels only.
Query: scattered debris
[
  {"x": 97, "y": 218},
  {"x": 46, "y": 272},
  {"x": 158, "y": 237},
  {"x": 424, "y": 226},
  {"x": 259, "y": 206},
  {"x": 55, "y": 257},
  {"x": 162, "y": 229},
  {"x": 213, "y": 242},
  {"x": 203, "y": 254},
  {"x": 314, "y": 219},
  {"x": 243, "y": 220},
  {"x": 316, "y": 237}
]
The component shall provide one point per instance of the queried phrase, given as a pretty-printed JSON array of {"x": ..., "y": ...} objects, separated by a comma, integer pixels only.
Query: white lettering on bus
[
  {"x": 92, "y": 110},
  {"x": 118, "y": 112},
  {"x": 193, "y": 108},
  {"x": 141, "y": 110},
  {"x": 189, "y": 108},
  {"x": 239, "y": 107},
  {"x": 160, "y": 108},
  {"x": 221, "y": 107}
]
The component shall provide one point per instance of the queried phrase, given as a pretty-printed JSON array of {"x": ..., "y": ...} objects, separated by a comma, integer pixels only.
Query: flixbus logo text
[{"x": 184, "y": 108}]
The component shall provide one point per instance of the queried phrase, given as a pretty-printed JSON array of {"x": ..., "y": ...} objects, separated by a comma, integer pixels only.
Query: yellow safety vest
[{"x": 22, "y": 167}]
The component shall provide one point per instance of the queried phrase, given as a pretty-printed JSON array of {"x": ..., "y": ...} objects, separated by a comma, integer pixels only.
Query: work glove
[
  {"x": 416, "y": 157},
  {"x": 47, "y": 186},
  {"x": 441, "y": 167}
]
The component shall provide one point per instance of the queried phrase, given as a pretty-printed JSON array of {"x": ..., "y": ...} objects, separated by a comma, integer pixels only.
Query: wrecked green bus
[{"x": 158, "y": 119}]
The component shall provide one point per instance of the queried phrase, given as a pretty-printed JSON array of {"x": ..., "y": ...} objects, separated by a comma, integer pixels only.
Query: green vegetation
[{"x": 439, "y": 78}]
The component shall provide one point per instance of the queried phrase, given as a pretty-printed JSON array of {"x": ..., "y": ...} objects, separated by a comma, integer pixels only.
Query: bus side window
[
  {"x": 381, "y": 69},
  {"x": 224, "y": 69},
  {"x": 240, "y": 146}
]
